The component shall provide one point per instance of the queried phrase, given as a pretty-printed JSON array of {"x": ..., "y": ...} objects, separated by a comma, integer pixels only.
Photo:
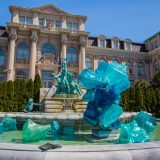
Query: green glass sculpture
[
  {"x": 32, "y": 131},
  {"x": 65, "y": 82}
]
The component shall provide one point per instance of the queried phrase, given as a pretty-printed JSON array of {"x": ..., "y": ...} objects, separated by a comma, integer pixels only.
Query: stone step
[
  {"x": 53, "y": 106},
  {"x": 53, "y": 102},
  {"x": 80, "y": 110},
  {"x": 53, "y": 110},
  {"x": 80, "y": 107}
]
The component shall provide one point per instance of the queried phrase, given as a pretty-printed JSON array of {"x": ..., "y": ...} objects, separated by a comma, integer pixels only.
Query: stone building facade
[{"x": 37, "y": 39}]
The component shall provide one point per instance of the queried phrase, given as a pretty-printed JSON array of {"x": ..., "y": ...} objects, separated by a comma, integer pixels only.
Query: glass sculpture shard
[
  {"x": 55, "y": 128},
  {"x": 9, "y": 124},
  {"x": 132, "y": 133},
  {"x": 146, "y": 121},
  {"x": 103, "y": 93},
  {"x": 32, "y": 131},
  {"x": 1, "y": 128}
]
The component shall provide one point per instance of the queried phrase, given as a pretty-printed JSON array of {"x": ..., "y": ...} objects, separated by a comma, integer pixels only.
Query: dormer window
[
  {"x": 58, "y": 24},
  {"x": 22, "y": 19},
  {"x": 128, "y": 46},
  {"x": 102, "y": 43},
  {"x": 41, "y": 22},
  {"x": 115, "y": 44}
]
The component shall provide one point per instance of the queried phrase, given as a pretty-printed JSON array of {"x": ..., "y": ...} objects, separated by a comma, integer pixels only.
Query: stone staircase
[
  {"x": 79, "y": 105},
  {"x": 53, "y": 106}
]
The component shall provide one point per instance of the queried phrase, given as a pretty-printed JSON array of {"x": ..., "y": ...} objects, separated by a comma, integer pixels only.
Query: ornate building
[{"x": 38, "y": 38}]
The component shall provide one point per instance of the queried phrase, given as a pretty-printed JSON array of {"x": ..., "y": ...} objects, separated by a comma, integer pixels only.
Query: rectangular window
[
  {"x": 58, "y": 24},
  {"x": 115, "y": 44},
  {"x": 22, "y": 73},
  {"x": 47, "y": 79},
  {"x": 75, "y": 26},
  {"x": 22, "y": 19},
  {"x": 69, "y": 25},
  {"x": 41, "y": 22},
  {"x": 128, "y": 46},
  {"x": 29, "y": 20},
  {"x": 102, "y": 43}
]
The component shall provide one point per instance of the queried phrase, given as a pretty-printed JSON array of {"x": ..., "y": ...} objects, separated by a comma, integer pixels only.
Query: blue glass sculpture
[
  {"x": 9, "y": 124},
  {"x": 68, "y": 131},
  {"x": 146, "y": 121},
  {"x": 103, "y": 93},
  {"x": 55, "y": 128},
  {"x": 132, "y": 133}
]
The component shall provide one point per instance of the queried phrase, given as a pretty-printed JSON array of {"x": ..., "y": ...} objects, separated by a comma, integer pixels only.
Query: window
[
  {"x": 88, "y": 63},
  {"x": 128, "y": 46},
  {"x": 41, "y": 22},
  {"x": 102, "y": 43},
  {"x": 101, "y": 60},
  {"x": 141, "y": 69},
  {"x": 129, "y": 67},
  {"x": 47, "y": 79},
  {"x": 72, "y": 55},
  {"x": 21, "y": 73},
  {"x": 22, "y": 19},
  {"x": 48, "y": 49},
  {"x": 2, "y": 57},
  {"x": 69, "y": 25},
  {"x": 115, "y": 44},
  {"x": 22, "y": 53},
  {"x": 58, "y": 24},
  {"x": 75, "y": 26},
  {"x": 29, "y": 20}
]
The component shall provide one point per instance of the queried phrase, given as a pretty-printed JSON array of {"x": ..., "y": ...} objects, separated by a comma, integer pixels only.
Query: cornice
[
  {"x": 116, "y": 50},
  {"x": 34, "y": 10}
]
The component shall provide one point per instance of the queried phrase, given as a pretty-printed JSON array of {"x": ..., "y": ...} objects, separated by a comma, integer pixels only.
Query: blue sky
[{"x": 134, "y": 19}]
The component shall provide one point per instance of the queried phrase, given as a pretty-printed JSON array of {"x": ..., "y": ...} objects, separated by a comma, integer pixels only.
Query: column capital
[
  {"x": 34, "y": 38},
  {"x": 83, "y": 43},
  {"x": 12, "y": 36},
  {"x": 64, "y": 39}
]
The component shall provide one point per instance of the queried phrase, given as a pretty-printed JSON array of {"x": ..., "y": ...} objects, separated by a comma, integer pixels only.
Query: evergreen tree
[
  {"x": 125, "y": 101},
  {"x": 37, "y": 86},
  {"x": 30, "y": 89},
  {"x": 156, "y": 80},
  {"x": 139, "y": 100}
]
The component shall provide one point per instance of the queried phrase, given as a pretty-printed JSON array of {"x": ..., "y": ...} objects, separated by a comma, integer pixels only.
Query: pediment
[{"x": 50, "y": 8}]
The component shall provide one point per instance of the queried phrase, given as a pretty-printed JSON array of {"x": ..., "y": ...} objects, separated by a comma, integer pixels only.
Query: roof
[{"x": 152, "y": 36}]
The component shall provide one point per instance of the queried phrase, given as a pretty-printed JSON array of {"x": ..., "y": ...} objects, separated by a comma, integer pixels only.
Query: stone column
[
  {"x": 64, "y": 46},
  {"x": 82, "y": 55},
  {"x": 32, "y": 67},
  {"x": 11, "y": 55},
  {"x": 95, "y": 63},
  {"x": 135, "y": 70}
]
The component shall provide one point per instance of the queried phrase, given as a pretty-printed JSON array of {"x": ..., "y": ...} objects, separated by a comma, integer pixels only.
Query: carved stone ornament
[
  {"x": 83, "y": 43},
  {"x": 64, "y": 41},
  {"x": 12, "y": 36},
  {"x": 34, "y": 38}
]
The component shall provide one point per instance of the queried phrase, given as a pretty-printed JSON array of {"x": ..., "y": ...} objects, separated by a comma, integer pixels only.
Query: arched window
[
  {"x": 141, "y": 69},
  {"x": 22, "y": 53},
  {"x": 101, "y": 60},
  {"x": 72, "y": 55},
  {"x": 2, "y": 57},
  {"x": 88, "y": 63},
  {"x": 129, "y": 67},
  {"x": 48, "y": 48}
]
